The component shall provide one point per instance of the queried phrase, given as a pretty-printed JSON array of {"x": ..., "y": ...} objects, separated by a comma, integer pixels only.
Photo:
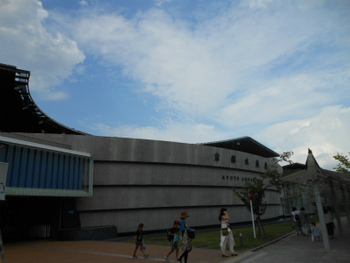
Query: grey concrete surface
[
  {"x": 148, "y": 181},
  {"x": 290, "y": 249},
  {"x": 294, "y": 249}
]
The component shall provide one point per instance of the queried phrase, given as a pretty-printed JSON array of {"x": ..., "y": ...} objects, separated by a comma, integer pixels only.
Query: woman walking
[
  {"x": 226, "y": 234},
  {"x": 186, "y": 240}
]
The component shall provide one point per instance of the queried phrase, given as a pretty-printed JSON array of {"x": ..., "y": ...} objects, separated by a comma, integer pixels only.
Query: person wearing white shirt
[{"x": 226, "y": 234}]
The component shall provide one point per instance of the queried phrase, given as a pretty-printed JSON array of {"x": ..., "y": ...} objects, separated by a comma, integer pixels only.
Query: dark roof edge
[
  {"x": 29, "y": 102},
  {"x": 268, "y": 151}
]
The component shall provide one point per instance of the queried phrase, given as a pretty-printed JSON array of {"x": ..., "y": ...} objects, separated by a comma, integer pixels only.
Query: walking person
[
  {"x": 186, "y": 240},
  {"x": 304, "y": 217},
  {"x": 139, "y": 243},
  {"x": 296, "y": 221},
  {"x": 328, "y": 218},
  {"x": 174, "y": 232},
  {"x": 226, "y": 235}
]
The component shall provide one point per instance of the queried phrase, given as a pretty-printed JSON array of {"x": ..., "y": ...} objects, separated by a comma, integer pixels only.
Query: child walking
[
  {"x": 139, "y": 242},
  {"x": 174, "y": 242},
  {"x": 315, "y": 232}
]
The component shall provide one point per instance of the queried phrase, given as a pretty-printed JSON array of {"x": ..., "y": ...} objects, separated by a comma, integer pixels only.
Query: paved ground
[
  {"x": 95, "y": 251},
  {"x": 290, "y": 249},
  {"x": 294, "y": 249}
]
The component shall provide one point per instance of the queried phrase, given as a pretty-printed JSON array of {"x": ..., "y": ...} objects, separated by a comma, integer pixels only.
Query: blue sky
[{"x": 189, "y": 71}]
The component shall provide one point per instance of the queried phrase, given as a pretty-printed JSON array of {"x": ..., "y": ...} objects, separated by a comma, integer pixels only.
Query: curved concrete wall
[{"x": 153, "y": 181}]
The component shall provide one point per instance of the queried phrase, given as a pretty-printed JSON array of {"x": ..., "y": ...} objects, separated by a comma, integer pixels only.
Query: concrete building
[{"x": 99, "y": 181}]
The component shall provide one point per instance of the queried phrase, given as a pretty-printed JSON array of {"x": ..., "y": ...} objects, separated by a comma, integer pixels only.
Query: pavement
[
  {"x": 290, "y": 248},
  {"x": 294, "y": 249}
]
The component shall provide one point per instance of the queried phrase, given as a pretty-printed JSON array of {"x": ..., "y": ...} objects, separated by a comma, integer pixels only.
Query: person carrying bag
[{"x": 226, "y": 236}]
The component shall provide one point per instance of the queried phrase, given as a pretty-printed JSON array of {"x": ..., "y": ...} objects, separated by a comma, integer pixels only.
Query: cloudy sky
[{"x": 190, "y": 71}]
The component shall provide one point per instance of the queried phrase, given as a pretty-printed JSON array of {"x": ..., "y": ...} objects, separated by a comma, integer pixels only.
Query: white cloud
[
  {"x": 286, "y": 98},
  {"x": 172, "y": 131},
  {"x": 259, "y": 3},
  {"x": 83, "y": 3},
  {"x": 241, "y": 70},
  {"x": 325, "y": 133},
  {"x": 259, "y": 65},
  {"x": 310, "y": 4},
  {"x": 160, "y": 53},
  {"x": 26, "y": 43},
  {"x": 161, "y": 2},
  {"x": 196, "y": 69}
]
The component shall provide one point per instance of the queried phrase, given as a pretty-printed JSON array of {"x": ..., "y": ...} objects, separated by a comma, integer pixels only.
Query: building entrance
[{"x": 23, "y": 218}]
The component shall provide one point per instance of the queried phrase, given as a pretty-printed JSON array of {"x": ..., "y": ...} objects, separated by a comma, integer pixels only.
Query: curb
[
  {"x": 250, "y": 253},
  {"x": 273, "y": 241}
]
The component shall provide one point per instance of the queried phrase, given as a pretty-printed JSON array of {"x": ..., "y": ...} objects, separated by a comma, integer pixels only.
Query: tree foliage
[
  {"x": 344, "y": 163},
  {"x": 259, "y": 206},
  {"x": 269, "y": 179}
]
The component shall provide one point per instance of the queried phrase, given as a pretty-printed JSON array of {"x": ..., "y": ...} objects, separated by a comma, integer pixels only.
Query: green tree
[
  {"x": 270, "y": 179},
  {"x": 344, "y": 163},
  {"x": 292, "y": 192},
  {"x": 259, "y": 206},
  {"x": 272, "y": 176}
]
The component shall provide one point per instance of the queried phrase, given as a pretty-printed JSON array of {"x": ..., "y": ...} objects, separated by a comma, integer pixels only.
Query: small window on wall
[{"x": 257, "y": 163}]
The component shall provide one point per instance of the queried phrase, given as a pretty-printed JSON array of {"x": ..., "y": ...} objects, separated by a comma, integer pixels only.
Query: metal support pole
[
  {"x": 251, "y": 210},
  {"x": 321, "y": 217},
  {"x": 346, "y": 205},
  {"x": 241, "y": 239},
  {"x": 336, "y": 208},
  {"x": 3, "y": 177}
]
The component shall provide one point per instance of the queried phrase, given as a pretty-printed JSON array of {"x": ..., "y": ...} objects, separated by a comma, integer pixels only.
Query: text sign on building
[{"x": 3, "y": 176}]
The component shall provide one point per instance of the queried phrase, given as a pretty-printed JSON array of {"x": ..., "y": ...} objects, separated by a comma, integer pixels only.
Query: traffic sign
[{"x": 250, "y": 192}]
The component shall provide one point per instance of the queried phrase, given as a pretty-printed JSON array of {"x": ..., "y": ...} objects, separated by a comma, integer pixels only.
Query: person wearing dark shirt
[
  {"x": 174, "y": 232},
  {"x": 139, "y": 242}
]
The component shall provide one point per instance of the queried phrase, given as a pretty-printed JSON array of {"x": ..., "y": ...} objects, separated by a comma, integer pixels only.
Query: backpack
[
  {"x": 297, "y": 217},
  {"x": 191, "y": 234},
  {"x": 169, "y": 237}
]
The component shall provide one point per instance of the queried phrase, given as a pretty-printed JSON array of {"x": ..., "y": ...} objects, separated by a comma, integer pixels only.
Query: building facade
[
  {"x": 96, "y": 181},
  {"x": 153, "y": 181}
]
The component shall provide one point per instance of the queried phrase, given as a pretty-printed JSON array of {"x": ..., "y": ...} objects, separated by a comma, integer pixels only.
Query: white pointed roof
[{"x": 313, "y": 173}]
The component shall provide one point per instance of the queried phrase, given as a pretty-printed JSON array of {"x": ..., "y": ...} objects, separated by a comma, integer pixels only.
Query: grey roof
[{"x": 244, "y": 144}]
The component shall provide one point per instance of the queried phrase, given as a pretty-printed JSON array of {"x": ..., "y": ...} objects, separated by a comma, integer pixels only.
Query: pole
[
  {"x": 321, "y": 217},
  {"x": 336, "y": 207},
  {"x": 345, "y": 205},
  {"x": 251, "y": 210},
  {"x": 3, "y": 176}
]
